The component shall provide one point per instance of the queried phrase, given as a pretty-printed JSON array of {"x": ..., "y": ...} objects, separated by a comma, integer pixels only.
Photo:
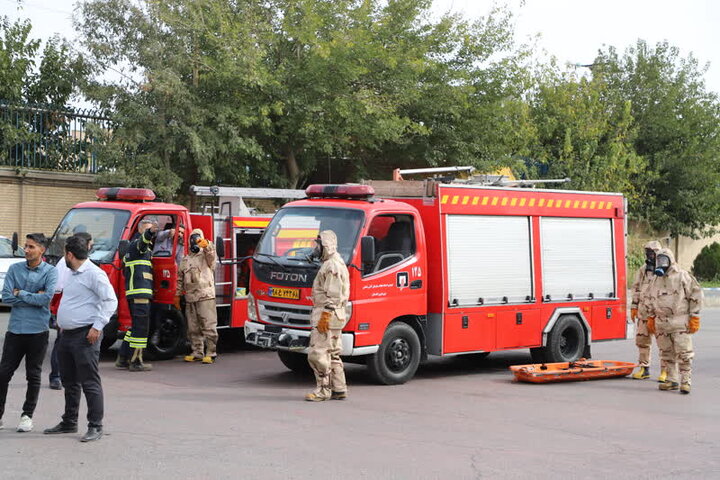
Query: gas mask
[
  {"x": 662, "y": 263},
  {"x": 318, "y": 250},
  {"x": 194, "y": 239},
  {"x": 649, "y": 259}
]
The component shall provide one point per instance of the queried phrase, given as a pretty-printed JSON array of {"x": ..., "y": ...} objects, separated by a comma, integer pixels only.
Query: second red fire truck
[{"x": 446, "y": 269}]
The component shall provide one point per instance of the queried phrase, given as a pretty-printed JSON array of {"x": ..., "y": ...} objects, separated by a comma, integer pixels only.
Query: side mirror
[
  {"x": 15, "y": 244},
  {"x": 123, "y": 247},
  {"x": 220, "y": 247},
  {"x": 367, "y": 250}
]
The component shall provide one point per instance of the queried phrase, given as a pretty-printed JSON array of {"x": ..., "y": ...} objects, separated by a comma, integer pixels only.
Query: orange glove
[
  {"x": 203, "y": 243},
  {"x": 633, "y": 314},
  {"x": 324, "y": 324},
  {"x": 651, "y": 325},
  {"x": 694, "y": 324},
  {"x": 176, "y": 302}
]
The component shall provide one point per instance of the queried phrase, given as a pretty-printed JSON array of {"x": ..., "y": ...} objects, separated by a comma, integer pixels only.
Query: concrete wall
[
  {"x": 35, "y": 201},
  {"x": 686, "y": 249}
]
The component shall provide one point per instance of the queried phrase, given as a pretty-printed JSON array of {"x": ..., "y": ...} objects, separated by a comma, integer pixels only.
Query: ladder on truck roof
[{"x": 399, "y": 187}]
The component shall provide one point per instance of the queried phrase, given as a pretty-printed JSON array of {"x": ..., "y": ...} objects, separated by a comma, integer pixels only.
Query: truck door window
[{"x": 394, "y": 240}]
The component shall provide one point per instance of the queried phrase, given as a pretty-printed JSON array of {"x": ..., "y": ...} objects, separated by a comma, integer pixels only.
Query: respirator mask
[
  {"x": 194, "y": 239},
  {"x": 662, "y": 263},
  {"x": 649, "y": 259}
]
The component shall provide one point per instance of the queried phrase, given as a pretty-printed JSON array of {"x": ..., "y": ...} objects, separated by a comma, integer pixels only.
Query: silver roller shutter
[
  {"x": 577, "y": 258},
  {"x": 488, "y": 258}
]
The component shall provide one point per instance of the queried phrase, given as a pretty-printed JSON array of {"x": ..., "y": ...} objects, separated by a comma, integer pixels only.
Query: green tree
[
  {"x": 583, "y": 136},
  {"x": 677, "y": 124},
  {"x": 259, "y": 93},
  {"x": 23, "y": 80}
]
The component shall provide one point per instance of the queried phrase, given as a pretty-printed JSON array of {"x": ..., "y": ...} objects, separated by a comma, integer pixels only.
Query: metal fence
[{"x": 45, "y": 137}]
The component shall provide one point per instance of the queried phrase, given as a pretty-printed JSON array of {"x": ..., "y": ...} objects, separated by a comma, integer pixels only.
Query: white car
[{"x": 7, "y": 258}]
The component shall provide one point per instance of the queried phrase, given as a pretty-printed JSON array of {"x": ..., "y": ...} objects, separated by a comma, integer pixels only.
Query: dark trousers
[
  {"x": 54, "y": 363},
  {"x": 137, "y": 336},
  {"x": 32, "y": 346},
  {"x": 79, "y": 371}
]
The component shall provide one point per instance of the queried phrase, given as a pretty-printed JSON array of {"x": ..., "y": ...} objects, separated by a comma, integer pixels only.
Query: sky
[{"x": 570, "y": 30}]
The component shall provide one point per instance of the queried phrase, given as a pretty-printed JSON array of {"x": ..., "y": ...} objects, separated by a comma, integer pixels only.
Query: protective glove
[
  {"x": 203, "y": 243},
  {"x": 633, "y": 314},
  {"x": 693, "y": 324},
  {"x": 324, "y": 324},
  {"x": 176, "y": 302},
  {"x": 651, "y": 325}
]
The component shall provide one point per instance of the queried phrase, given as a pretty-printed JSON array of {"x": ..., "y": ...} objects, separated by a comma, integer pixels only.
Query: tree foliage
[
  {"x": 677, "y": 125},
  {"x": 263, "y": 93},
  {"x": 38, "y": 76}
]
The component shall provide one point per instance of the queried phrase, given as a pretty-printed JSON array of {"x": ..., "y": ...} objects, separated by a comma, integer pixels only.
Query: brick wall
[{"x": 34, "y": 201}]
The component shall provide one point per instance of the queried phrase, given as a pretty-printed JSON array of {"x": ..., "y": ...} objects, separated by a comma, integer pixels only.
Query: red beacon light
[
  {"x": 125, "y": 194},
  {"x": 355, "y": 192}
]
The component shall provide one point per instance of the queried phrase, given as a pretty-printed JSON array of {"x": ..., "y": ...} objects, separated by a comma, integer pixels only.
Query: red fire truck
[
  {"x": 446, "y": 269},
  {"x": 113, "y": 220}
]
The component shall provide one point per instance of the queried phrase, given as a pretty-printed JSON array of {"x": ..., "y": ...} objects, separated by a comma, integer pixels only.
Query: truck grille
[{"x": 283, "y": 314}]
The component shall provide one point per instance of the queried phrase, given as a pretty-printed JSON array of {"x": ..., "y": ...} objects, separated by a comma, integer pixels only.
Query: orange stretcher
[{"x": 571, "y": 371}]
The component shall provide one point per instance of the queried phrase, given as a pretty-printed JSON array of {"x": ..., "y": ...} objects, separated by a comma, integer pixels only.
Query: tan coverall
[
  {"x": 330, "y": 292},
  {"x": 643, "y": 338},
  {"x": 672, "y": 299},
  {"x": 196, "y": 277}
]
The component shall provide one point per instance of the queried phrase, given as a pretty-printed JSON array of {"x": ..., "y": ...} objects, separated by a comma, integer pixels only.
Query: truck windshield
[
  {"x": 291, "y": 234},
  {"x": 104, "y": 224}
]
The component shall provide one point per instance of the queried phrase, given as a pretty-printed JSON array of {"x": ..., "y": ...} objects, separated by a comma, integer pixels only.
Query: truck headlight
[{"x": 252, "y": 312}]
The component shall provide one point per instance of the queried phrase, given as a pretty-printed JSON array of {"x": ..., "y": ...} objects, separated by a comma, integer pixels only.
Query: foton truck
[
  {"x": 446, "y": 269},
  {"x": 113, "y": 220}
]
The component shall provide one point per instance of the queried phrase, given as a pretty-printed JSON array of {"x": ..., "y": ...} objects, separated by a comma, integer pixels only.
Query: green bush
[
  {"x": 706, "y": 266},
  {"x": 634, "y": 260}
]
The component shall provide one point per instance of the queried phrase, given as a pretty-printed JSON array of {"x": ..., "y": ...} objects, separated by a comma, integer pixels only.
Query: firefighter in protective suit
[
  {"x": 673, "y": 303},
  {"x": 643, "y": 339},
  {"x": 196, "y": 278},
  {"x": 330, "y": 292},
  {"x": 139, "y": 292}
]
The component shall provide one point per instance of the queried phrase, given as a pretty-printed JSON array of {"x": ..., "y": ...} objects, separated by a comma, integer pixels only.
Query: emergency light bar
[
  {"x": 126, "y": 194},
  {"x": 340, "y": 191}
]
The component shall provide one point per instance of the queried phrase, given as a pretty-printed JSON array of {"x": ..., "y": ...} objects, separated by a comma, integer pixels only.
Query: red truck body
[
  {"x": 112, "y": 221},
  {"x": 446, "y": 269}
]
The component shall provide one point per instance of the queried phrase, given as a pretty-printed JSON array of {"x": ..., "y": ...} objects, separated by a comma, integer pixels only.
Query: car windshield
[
  {"x": 6, "y": 250},
  {"x": 291, "y": 234},
  {"x": 104, "y": 224}
]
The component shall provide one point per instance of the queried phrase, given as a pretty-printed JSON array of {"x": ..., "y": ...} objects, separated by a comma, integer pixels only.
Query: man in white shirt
[
  {"x": 87, "y": 304},
  {"x": 62, "y": 272}
]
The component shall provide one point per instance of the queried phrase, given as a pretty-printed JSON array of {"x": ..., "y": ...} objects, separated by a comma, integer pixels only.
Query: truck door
[{"x": 394, "y": 284}]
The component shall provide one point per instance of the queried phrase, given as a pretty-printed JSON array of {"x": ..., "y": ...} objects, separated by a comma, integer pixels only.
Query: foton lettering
[{"x": 287, "y": 276}]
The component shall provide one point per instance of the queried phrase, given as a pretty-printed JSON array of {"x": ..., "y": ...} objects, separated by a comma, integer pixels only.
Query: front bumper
[{"x": 296, "y": 340}]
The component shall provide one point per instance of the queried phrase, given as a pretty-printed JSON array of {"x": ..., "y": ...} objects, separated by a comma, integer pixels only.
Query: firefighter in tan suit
[
  {"x": 643, "y": 339},
  {"x": 673, "y": 302},
  {"x": 196, "y": 278},
  {"x": 330, "y": 292}
]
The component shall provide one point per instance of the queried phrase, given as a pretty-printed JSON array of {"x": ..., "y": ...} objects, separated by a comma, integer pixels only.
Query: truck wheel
[
  {"x": 566, "y": 341},
  {"x": 167, "y": 338},
  {"x": 297, "y": 362},
  {"x": 398, "y": 358}
]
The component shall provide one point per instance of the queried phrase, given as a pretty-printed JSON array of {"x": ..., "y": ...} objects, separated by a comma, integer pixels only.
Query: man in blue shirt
[{"x": 28, "y": 288}]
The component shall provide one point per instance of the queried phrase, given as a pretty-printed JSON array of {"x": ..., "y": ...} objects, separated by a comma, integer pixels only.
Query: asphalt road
[{"x": 244, "y": 418}]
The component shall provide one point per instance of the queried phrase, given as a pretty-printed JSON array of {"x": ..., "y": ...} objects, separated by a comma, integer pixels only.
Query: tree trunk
[{"x": 291, "y": 165}]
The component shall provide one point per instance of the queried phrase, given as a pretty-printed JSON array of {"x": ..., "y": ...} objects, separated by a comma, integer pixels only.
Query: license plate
[{"x": 291, "y": 293}]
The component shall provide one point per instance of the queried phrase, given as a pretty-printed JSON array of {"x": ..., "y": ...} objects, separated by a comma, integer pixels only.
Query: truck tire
[
  {"x": 297, "y": 362},
  {"x": 167, "y": 335},
  {"x": 566, "y": 341},
  {"x": 399, "y": 355}
]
